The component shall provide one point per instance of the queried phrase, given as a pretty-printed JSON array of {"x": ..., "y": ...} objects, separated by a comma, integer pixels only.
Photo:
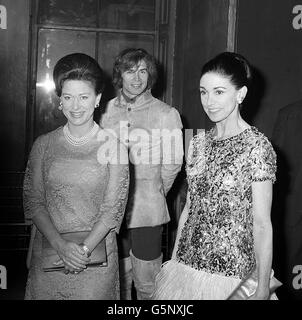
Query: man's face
[{"x": 135, "y": 80}]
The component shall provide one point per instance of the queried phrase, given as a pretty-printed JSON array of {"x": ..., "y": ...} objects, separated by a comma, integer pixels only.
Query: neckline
[
  {"x": 134, "y": 99},
  {"x": 238, "y": 135},
  {"x": 77, "y": 142},
  {"x": 139, "y": 101}
]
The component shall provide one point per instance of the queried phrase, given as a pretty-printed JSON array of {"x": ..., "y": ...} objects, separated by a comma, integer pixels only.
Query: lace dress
[
  {"x": 70, "y": 185},
  {"x": 215, "y": 250}
]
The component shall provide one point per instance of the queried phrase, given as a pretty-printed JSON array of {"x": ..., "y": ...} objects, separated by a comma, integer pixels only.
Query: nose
[
  {"x": 209, "y": 99},
  {"x": 75, "y": 104},
  {"x": 136, "y": 76}
]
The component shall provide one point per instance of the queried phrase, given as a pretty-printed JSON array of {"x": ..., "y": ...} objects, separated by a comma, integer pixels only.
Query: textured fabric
[
  {"x": 215, "y": 249},
  {"x": 218, "y": 234},
  {"x": 145, "y": 126},
  {"x": 70, "y": 185},
  {"x": 177, "y": 281}
]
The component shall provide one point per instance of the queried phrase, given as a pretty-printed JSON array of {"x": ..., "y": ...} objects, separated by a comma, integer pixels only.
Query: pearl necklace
[{"x": 82, "y": 140}]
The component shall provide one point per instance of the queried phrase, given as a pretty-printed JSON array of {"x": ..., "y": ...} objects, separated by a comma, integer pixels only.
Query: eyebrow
[
  {"x": 78, "y": 94},
  {"x": 137, "y": 68},
  {"x": 215, "y": 88}
]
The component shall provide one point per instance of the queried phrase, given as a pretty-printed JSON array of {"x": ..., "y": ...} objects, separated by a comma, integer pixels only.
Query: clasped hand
[{"x": 72, "y": 256}]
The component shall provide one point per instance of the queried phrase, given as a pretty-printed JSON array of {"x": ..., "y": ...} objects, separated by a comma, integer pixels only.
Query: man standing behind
[
  {"x": 152, "y": 131},
  {"x": 287, "y": 204}
]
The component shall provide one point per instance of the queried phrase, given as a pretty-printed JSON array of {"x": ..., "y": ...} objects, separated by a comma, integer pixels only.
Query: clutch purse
[
  {"x": 98, "y": 256},
  {"x": 248, "y": 286}
]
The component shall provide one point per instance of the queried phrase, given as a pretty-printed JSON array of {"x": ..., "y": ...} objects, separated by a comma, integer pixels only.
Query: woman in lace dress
[
  {"x": 225, "y": 228},
  {"x": 71, "y": 186}
]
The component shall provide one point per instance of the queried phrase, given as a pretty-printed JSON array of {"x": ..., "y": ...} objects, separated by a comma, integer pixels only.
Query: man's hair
[{"x": 130, "y": 58}]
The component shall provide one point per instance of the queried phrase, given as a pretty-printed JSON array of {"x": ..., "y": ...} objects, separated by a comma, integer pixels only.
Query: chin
[
  {"x": 214, "y": 119},
  {"x": 77, "y": 122},
  {"x": 136, "y": 93}
]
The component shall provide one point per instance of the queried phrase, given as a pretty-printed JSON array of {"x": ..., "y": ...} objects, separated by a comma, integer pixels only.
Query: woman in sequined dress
[
  {"x": 70, "y": 187},
  {"x": 225, "y": 229}
]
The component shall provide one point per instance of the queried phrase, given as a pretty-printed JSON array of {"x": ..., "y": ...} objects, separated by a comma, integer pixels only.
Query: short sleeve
[{"x": 263, "y": 158}]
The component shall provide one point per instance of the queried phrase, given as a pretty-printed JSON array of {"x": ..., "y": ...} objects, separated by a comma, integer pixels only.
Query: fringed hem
[{"x": 177, "y": 281}]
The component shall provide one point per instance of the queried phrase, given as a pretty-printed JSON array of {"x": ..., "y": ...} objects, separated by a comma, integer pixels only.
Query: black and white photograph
[{"x": 151, "y": 152}]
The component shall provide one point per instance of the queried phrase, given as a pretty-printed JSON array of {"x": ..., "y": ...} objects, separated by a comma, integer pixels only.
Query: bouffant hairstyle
[
  {"x": 78, "y": 66},
  {"x": 231, "y": 65}
]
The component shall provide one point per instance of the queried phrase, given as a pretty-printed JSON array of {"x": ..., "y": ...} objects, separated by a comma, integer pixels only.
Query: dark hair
[
  {"x": 231, "y": 65},
  {"x": 129, "y": 58},
  {"x": 78, "y": 66}
]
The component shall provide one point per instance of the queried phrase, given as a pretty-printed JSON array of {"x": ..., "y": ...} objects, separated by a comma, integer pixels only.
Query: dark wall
[
  {"x": 266, "y": 36},
  {"x": 201, "y": 33},
  {"x": 13, "y": 80}
]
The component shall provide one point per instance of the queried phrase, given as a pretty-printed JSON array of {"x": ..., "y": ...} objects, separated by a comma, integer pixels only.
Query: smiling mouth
[
  {"x": 76, "y": 114},
  {"x": 213, "y": 110},
  {"x": 136, "y": 86}
]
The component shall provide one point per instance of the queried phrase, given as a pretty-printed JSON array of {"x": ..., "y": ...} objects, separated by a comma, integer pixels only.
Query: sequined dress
[
  {"x": 69, "y": 184},
  {"x": 215, "y": 249}
]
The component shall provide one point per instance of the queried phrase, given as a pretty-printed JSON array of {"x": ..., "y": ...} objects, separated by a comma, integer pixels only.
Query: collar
[
  {"x": 123, "y": 101},
  {"x": 131, "y": 100}
]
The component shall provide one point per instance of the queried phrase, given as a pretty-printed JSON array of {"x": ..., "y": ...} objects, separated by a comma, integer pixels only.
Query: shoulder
[
  {"x": 257, "y": 138},
  {"x": 112, "y": 110},
  {"x": 293, "y": 109},
  {"x": 111, "y": 105},
  {"x": 42, "y": 142},
  {"x": 168, "y": 115},
  {"x": 162, "y": 107},
  {"x": 261, "y": 145},
  {"x": 44, "y": 139},
  {"x": 262, "y": 158}
]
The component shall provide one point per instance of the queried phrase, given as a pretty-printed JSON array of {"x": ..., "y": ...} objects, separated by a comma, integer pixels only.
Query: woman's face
[
  {"x": 219, "y": 97},
  {"x": 79, "y": 101},
  {"x": 135, "y": 80}
]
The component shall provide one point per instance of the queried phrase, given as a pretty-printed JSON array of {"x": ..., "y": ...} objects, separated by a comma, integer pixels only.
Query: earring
[
  {"x": 60, "y": 107},
  {"x": 97, "y": 105}
]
